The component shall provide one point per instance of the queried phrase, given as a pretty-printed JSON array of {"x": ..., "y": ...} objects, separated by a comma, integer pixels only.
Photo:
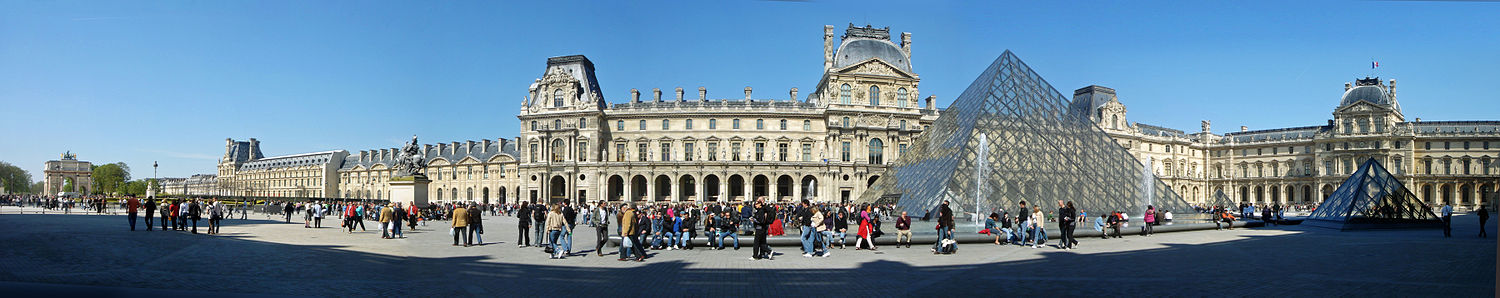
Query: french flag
[{"x": 1374, "y": 64}]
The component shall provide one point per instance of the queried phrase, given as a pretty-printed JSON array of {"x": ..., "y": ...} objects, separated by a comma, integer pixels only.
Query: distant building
[{"x": 59, "y": 173}]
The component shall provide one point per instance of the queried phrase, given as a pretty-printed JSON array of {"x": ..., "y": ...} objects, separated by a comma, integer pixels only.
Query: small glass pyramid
[{"x": 1373, "y": 199}]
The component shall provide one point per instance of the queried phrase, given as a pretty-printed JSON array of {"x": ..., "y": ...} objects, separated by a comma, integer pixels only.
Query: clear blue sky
[{"x": 143, "y": 81}]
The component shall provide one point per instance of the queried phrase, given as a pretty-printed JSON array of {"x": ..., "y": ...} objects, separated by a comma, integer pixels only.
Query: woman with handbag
[{"x": 866, "y": 228}]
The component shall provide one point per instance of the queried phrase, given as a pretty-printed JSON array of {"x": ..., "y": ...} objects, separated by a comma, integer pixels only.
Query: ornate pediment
[
  {"x": 876, "y": 67},
  {"x": 1362, "y": 106}
]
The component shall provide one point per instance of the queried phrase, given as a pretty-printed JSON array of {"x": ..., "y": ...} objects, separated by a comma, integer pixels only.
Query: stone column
[{"x": 796, "y": 189}]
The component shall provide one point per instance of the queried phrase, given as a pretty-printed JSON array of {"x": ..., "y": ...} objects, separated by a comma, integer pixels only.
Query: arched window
[
  {"x": 874, "y": 95},
  {"x": 440, "y": 194},
  {"x": 581, "y": 123},
  {"x": 643, "y": 125},
  {"x": 620, "y": 125},
  {"x": 557, "y": 98},
  {"x": 844, "y": 94},
  {"x": 533, "y": 125},
  {"x": 666, "y": 124},
  {"x": 470, "y": 194},
  {"x": 783, "y": 124},
  {"x": 558, "y": 150},
  {"x": 903, "y": 125},
  {"x": 557, "y": 124},
  {"x": 846, "y": 122},
  {"x": 760, "y": 124},
  {"x": 901, "y": 97},
  {"x": 877, "y": 150},
  {"x": 1115, "y": 121}
]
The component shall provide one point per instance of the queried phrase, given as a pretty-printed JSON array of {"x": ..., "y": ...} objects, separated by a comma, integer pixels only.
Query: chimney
[
  {"x": 228, "y": 144},
  {"x": 1392, "y": 89},
  {"x": 254, "y": 147},
  {"x": 1347, "y": 86},
  {"x": 679, "y": 93},
  {"x": 1205, "y": 126},
  {"x": 747, "y": 93},
  {"x": 470, "y": 148},
  {"x": 702, "y": 93},
  {"x": 364, "y": 156},
  {"x": 794, "y": 94},
  {"x": 827, "y": 47},
  {"x": 1244, "y": 128},
  {"x": 453, "y": 149},
  {"x": 426, "y": 148},
  {"x": 486, "y": 148},
  {"x": 635, "y": 96},
  {"x": 442, "y": 148},
  {"x": 656, "y": 93},
  {"x": 906, "y": 43}
]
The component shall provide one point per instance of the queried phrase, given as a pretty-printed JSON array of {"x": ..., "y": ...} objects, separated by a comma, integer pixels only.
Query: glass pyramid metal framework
[
  {"x": 1011, "y": 137},
  {"x": 1222, "y": 200},
  {"x": 1372, "y": 198}
]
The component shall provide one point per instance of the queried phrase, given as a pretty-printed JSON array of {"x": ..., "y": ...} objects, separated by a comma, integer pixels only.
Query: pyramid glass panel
[
  {"x": 1222, "y": 200},
  {"x": 1372, "y": 198},
  {"x": 1011, "y": 137}
]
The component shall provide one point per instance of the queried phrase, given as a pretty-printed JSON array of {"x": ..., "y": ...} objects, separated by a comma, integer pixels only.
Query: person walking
[
  {"x": 150, "y": 206},
  {"x": 599, "y": 217},
  {"x": 523, "y": 223},
  {"x": 384, "y": 219},
  {"x": 131, "y": 204},
  {"x": 215, "y": 214},
  {"x": 1484, "y": 216},
  {"x": 866, "y": 230},
  {"x": 476, "y": 224},
  {"x": 630, "y": 241},
  {"x": 1067, "y": 217},
  {"x": 555, "y": 225},
  {"x": 349, "y": 220},
  {"x": 1150, "y": 219},
  {"x": 903, "y": 230},
  {"x": 1447, "y": 220},
  {"x": 817, "y": 231},
  {"x": 460, "y": 225},
  {"x": 539, "y": 220},
  {"x": 764, "y": 217},
  {"x": 287, "y": 209}
]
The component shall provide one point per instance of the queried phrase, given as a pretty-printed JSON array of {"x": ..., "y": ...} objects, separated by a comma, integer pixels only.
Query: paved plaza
[{"x": 96, "y": 254}]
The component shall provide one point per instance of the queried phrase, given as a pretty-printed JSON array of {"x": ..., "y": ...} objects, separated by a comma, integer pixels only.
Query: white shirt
[{"x": 1447, "y": 210}]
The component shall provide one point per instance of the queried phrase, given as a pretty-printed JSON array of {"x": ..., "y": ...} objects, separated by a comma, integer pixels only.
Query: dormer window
[
  {"x": 557, "y": 98},
  {"x": 874, "y": 95},
  {"x": 844, "y": 93}
]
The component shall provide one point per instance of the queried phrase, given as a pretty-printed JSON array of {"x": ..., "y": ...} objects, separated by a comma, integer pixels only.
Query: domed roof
[
  {"x": 1370, "y": 93},
  {"x": 856, "y": 50}
]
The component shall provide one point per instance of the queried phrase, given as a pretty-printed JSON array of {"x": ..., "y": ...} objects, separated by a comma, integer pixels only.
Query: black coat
[{"x": 945, "y": 217}]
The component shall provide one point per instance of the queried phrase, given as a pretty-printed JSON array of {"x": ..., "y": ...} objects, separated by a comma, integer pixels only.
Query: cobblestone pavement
[{"x": 268, "y": 257}]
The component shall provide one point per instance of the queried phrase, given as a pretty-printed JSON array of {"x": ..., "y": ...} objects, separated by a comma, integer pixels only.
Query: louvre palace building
[{"x": 831, "y": 143}]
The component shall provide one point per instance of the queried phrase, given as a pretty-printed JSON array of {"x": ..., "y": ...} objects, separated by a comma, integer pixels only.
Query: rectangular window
[
  {"x": 1377, "y": 144},
  {"x": 620, "y": 152},
  {"x": 666, "y": 124},
  {"x": 736, "y": 124},
  {"x": 666, "y": 151},
  {"x": 1466, "y": 145},
  {"x": 760, "y": 124},
  {"x": 734, "y": 151},
  {"x": 1446, "y": 145},
  {"x": 783, "y": 124},
  {"x": 688, "y": 124},
  {"x": 620, "y": 125},
  {"x": 643, "y": 124},
  {"x": 902, "y": 149},
  {"x": 844, "y": 152},
  {"x": 1398, "y": 144},
  {"x": 781, "y": 151},
  {"x": 640, "y": 151},
  {"x": 713, "y": 123},
  {"x": 760, "y": 151},
  {"x": 806, "y": 152},
  {"x": 807, "y": 126},
  {"x": 531, "y": 153},
  {"x": 687, "y": 151},
  {"x": 1427, "y": 145},
  {"x": 713, "y": 148},
  {"x": 583, "y": 123},
  {"x": 583, "y": 149},
  {"x": 1257, "y": 151}
]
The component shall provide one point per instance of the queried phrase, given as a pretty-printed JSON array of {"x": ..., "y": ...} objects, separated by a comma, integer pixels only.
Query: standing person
[
  {"x": 555, "y": 225},
  {"x": 599, "y": 217},
  {"x": 413, "y": 214},
  {"x": 194, "y": 212},
  {"x": 945, "y": 225},
  {"x": 903, "y": 230},
  {"x": 349, "y": 215},
  {"x": 804, "y": 223},
  {"x": 1037, "y": 226},
  {"x": 817, "y": 230},
  {"x": 1067, "y": 217},
  {"x": 1447, "y": 220},
  {"x": 287, "y": 210},
  {"x": 180, "y": 210},
  {"x": 150, "y": 208},
  {"x": 460, "y": 225},
  {"x": 1023, "y": 219},
  {"x": 215, "y": 214},
  {"x": 131, "y": 204},
  {"x": 630, "y": 235},
  {"x": 523, "y": 222},
  {"x": 359, "y": 217},
  {"x": 570, "y": 216},
  {"x": 166, "y": 211},
  {"x": 317, "y": 214},
  {"x": 476, "y": 224},
  {"x": 397, "y": 213},
  {"x": 1484, "y": 216},
  {"x": 763, "y": 217},
  {"x": 1150, "y": 219},
  {"x": 539, "y": 220}
]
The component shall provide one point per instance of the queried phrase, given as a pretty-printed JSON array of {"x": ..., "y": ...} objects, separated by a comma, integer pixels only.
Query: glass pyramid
[
  {"x": 1011, "y": 137},
  {"x": 1372, "y": 199},
  {"x": 1222, "y": 200}
]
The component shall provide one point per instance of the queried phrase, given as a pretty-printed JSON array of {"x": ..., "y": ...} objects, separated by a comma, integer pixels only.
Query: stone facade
[
  {"x": 57, "y": 173},
  {"x": 828, "y": 146},
  {"x": 1441, "y": 161}
]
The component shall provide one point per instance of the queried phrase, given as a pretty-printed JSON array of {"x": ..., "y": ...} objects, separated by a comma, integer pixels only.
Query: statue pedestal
[{"x": 410, "y": 190}]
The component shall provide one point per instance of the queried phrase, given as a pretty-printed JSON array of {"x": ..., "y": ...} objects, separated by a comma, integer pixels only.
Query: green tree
[
  {"x": 135, "y": 188},
  {"x": 38, "y": 188},
  {"x": 110, "y": 178},
  {"x": 14, "y": 179}
]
